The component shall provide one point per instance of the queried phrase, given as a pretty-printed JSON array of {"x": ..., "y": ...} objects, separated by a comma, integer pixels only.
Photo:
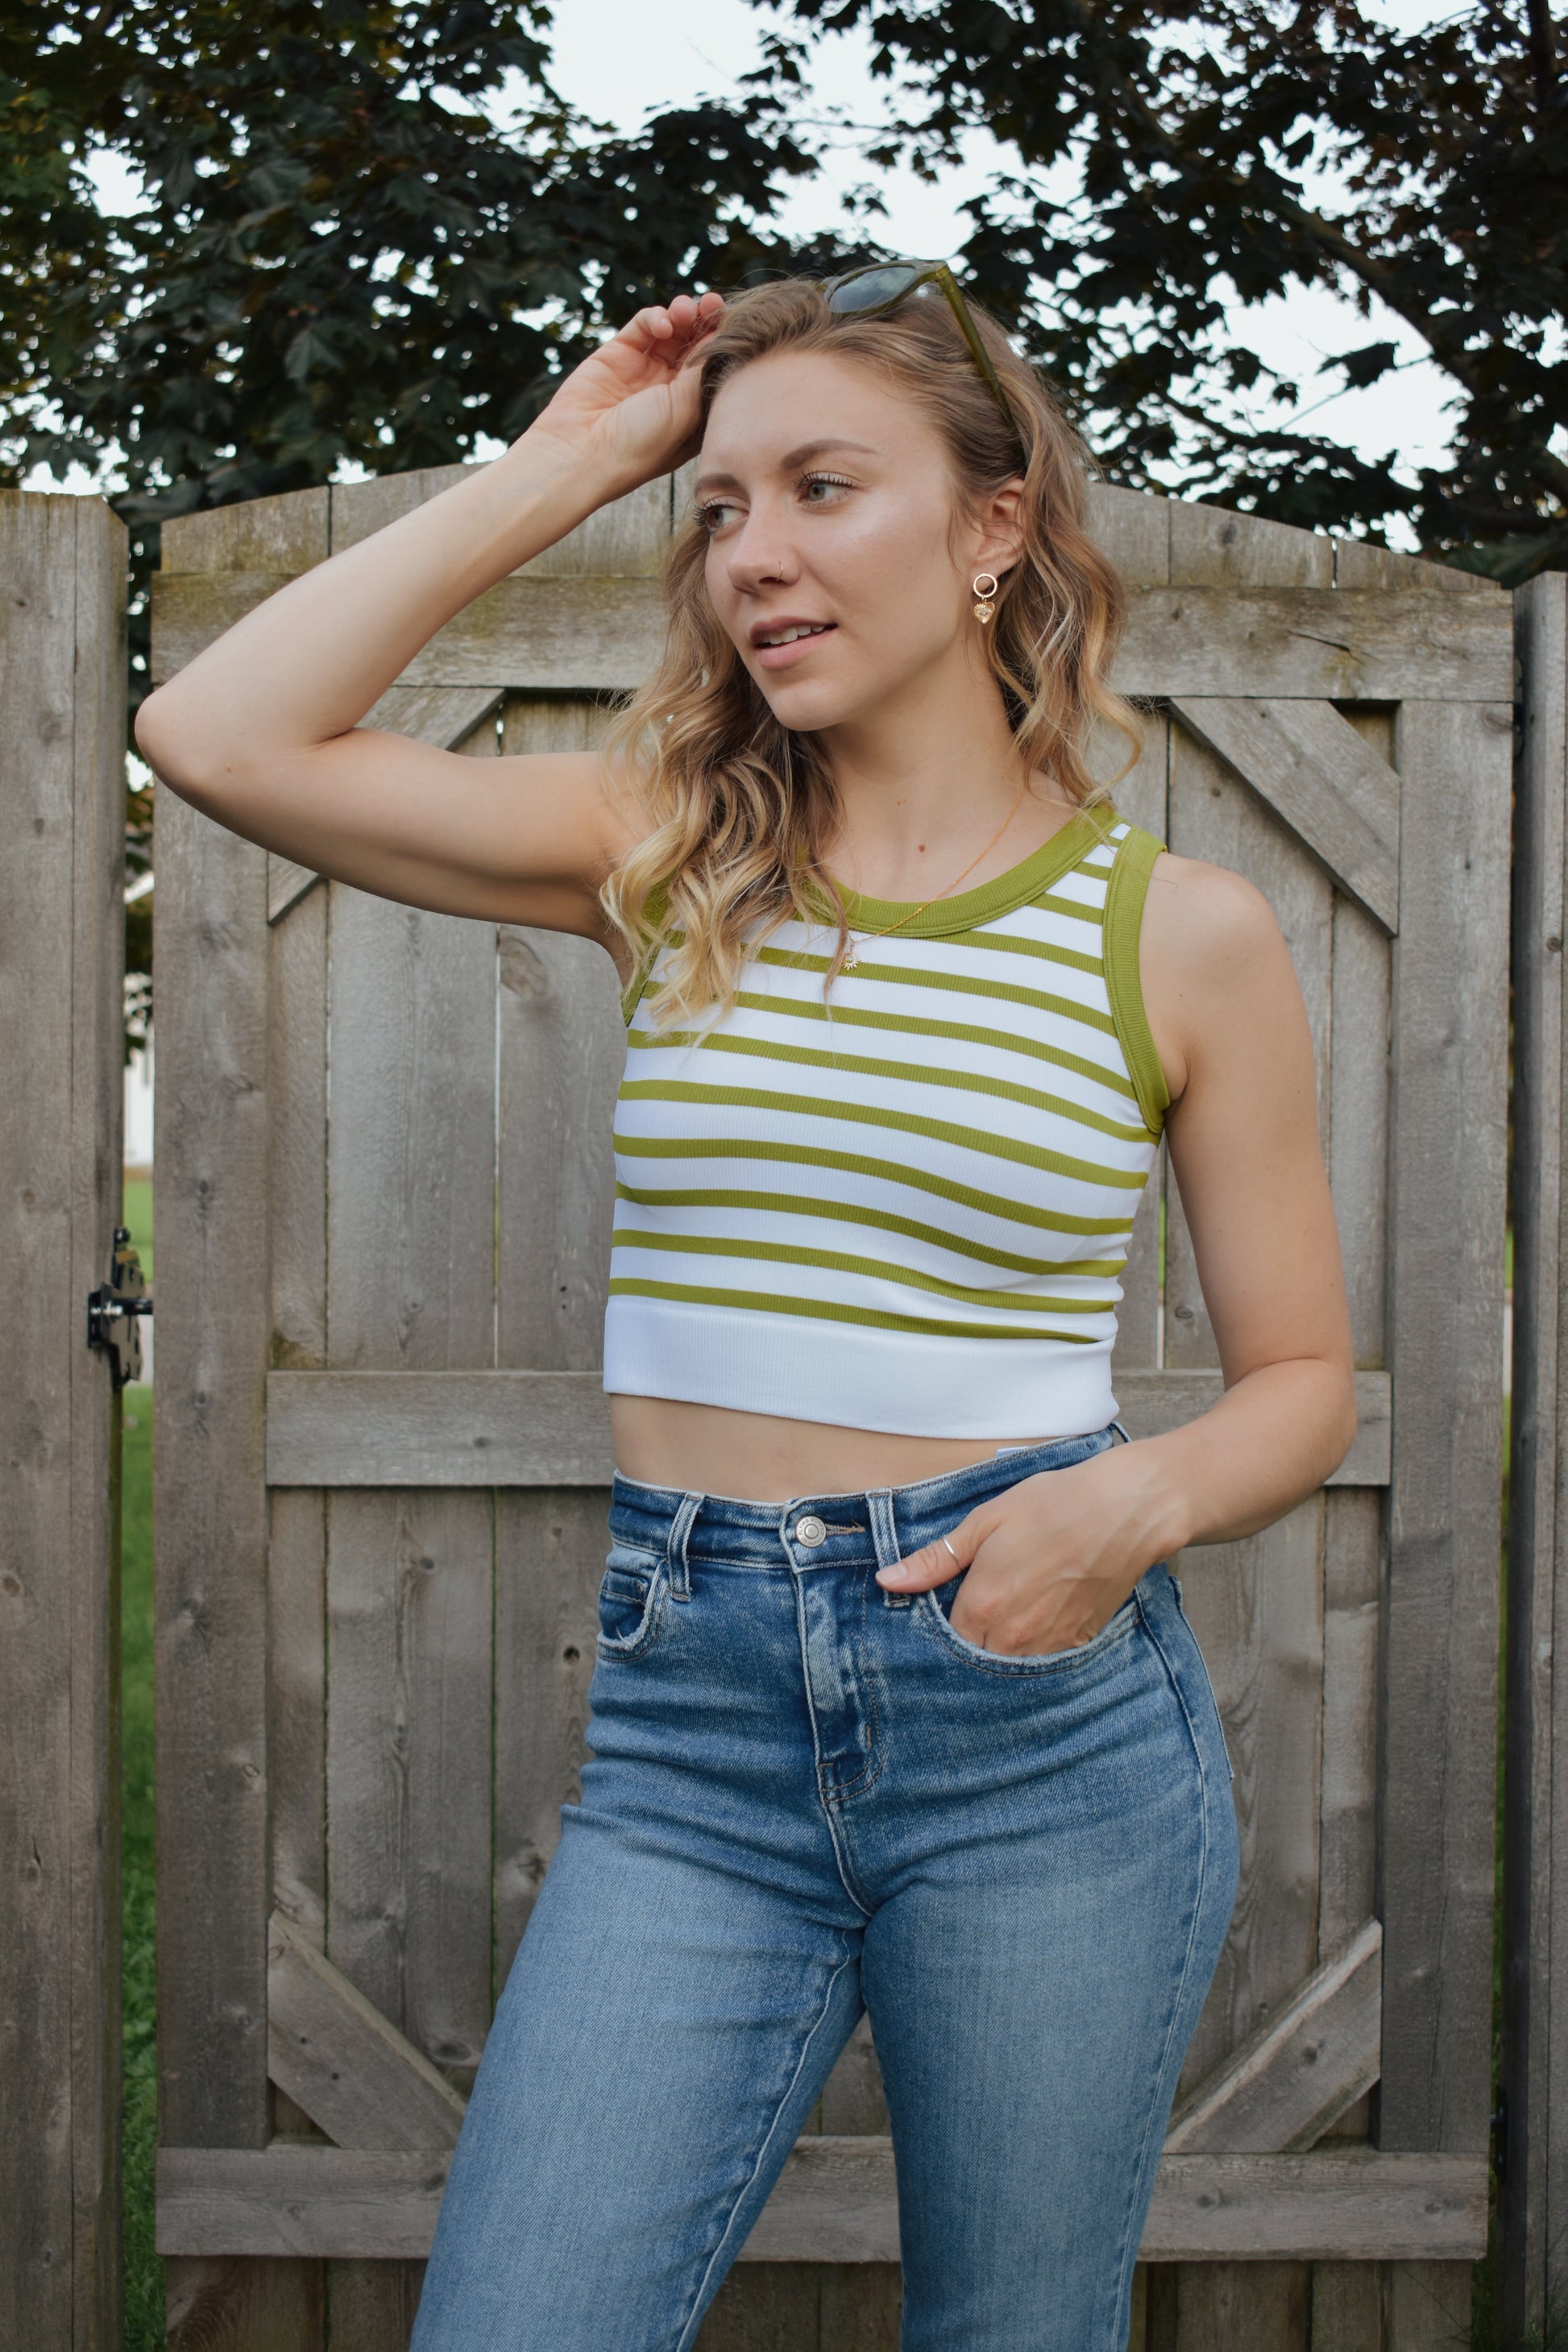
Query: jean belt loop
[
  {"x": 676, "y": 1558},
  {"x": 885, "y": 1538},
  {"x": 1125, "y": 1435}
]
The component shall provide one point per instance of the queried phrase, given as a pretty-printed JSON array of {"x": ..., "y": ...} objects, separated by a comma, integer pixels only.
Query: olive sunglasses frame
[{"x": 909, "y": 276}]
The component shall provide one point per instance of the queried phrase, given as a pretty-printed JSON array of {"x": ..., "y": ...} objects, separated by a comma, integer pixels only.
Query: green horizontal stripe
[
  {"x": 854, "y": 1163},
  {"x": 843, "y": 1262},
  {"x": 950, "y": 983},
  {"x": 831, "y": 1311},
  {"x": 849, "y": 1213},
  {"x": 964, "y": 1032},
  {"x": 932, "y": 1075},
  {"x": 904, "y": 1122},
  {"x": 1044, "y": 951}
]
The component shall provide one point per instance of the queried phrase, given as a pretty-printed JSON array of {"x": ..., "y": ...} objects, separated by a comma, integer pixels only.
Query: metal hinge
[{"x": 112, "y": 1310}]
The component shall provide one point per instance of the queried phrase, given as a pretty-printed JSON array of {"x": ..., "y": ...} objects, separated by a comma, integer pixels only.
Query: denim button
[{"x": 810, "y": 1530}]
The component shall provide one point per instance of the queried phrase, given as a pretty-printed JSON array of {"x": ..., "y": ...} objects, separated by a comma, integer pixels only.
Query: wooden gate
[{"x": 382, "y": 1458}]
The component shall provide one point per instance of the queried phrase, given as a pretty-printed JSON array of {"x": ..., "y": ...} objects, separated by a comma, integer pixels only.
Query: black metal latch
[{"x": 113, "y": 1309}]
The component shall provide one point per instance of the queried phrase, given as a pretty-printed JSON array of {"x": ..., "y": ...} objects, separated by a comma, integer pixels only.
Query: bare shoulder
[{"x": 1213, "y": 962}]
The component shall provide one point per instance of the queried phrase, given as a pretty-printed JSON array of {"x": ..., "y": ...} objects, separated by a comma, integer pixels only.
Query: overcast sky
[{"x": 617, "y": 57}]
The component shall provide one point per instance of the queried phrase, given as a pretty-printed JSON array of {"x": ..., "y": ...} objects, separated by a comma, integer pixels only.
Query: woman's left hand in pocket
[{"x": 1047, "y": 1564}]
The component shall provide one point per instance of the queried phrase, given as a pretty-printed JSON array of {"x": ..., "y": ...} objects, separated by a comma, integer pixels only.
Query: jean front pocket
[
  {"x": 632, "y": 1593},
  {"x": 932, "y": 1612}
]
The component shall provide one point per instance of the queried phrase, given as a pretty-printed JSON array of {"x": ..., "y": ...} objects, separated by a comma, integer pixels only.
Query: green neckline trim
[{"x": 1021, "y": 883}]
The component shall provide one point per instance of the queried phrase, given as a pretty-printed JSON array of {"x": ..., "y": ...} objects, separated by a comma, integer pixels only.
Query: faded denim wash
[{"x": 806, "y": 1798}]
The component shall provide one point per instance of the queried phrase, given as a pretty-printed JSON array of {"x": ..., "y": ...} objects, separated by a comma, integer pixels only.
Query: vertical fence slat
[
  {"x": 1450, "y": 1059},
  {"x": 212, "y": 1120},
  {"x": 1533, "y": 2195},
  {"x": 98, "y": 1014},
  {"x": 62, "y": 701}
]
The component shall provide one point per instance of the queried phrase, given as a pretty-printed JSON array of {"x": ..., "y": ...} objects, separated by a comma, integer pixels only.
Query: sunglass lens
[{"x": 868, "y": 289}]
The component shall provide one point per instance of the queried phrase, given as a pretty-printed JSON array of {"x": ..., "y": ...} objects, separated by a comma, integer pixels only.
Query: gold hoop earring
[{"x": 985, "y": 585}]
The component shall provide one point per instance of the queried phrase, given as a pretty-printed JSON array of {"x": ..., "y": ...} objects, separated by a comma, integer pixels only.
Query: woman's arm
[
  {"x": 262, "y": 733},
  {"x": 1053, "y": 1558}
]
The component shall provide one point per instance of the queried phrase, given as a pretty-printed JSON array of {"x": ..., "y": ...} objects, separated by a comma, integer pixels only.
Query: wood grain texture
[
  {"x": 1242, "y": 2306},
  {"x": 1533, "y": 2194},
  {"x": 562, "y": 1045},
  {"x": 356, "y": 1429},
  {"x": 1347, "y": 2307},
  {"x": 212, "y": 1156},
  {"x": 1444, "y": 1304},
  {"x": 286, "y": 533},
  {"x": 1311, "y": 768},
  {"x": 589, "y": 632},
  {"x": 411, "y": 1241},
  {"x": 243, "y": 2304},
  {"x": 362, "y": 2082},
  {"x": 550, "y": 1558},
  {"x": 1213, "y": 547},
  {"x": 1299, "y": 2072},
  {"x": 836, "y": 2201},
  {"x": 97, "y": 1129},
  {"x": 61, "y": 872}
]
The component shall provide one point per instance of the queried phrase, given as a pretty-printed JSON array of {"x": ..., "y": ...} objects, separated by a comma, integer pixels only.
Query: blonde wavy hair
[{"x": 743, "y": 807}]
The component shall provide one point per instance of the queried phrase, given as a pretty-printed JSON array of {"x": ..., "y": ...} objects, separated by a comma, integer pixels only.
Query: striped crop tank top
[{"x": 905, "y": 1209}]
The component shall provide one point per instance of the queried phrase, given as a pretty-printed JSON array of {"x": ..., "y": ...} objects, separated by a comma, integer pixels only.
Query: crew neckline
[{"x": 1015, "y": 887}]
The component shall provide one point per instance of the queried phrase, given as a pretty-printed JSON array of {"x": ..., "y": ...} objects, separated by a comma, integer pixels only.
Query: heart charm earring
[{"x": 985, "y": 590}]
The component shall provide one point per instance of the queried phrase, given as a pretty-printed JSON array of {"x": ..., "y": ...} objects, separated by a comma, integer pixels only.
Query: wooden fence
[{"x": 382, "y": 1451}]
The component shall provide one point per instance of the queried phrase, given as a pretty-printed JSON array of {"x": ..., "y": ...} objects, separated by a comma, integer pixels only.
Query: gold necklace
[{"x": 850, "y": 956}]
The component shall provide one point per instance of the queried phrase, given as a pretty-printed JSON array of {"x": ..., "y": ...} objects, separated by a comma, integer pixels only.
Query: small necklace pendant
[{"x": 850, "y": 958}]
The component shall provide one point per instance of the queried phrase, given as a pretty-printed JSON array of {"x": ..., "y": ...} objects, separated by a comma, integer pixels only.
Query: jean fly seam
[
  {"x": 840, "y": 1860},
  {"x": 684, "y": 2340},
  {"x": 1129, "y": 2252}
]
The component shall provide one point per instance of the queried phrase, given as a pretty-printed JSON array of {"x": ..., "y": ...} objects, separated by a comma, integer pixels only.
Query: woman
[{"x": 895, "y": 1706}]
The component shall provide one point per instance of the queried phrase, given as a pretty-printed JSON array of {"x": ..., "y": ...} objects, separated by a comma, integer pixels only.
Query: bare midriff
[{"x": 761, "y": 1457}]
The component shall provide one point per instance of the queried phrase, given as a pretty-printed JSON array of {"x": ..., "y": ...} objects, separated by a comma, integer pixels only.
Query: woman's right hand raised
[{"x": 631, "y": 409}]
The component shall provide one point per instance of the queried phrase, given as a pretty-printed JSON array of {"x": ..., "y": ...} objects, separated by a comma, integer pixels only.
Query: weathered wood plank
[
  {"x": 562, "y": 1045},
  {"x": 356, "y": 2077},
  {"x": 1216, "y": 547},
  {"x": 550, "y": 1557},
  {"x": 1426, "y": 2307},
  {"x": 1360, "y": 991},
  {"x": 1283, "y": 2088},
  {"x": 1347, "y": 1851},
  {"x": 214, "y": 1136},
  {"x": 286, "y": 533},
  {"x": 1347, "y": 2307},
  {"x": 245, "y": 2304},
  {"x": 551, "y": 1429},
  {"x": 61, "y": 867},
  {"x": 1450, "y": 1057},
  {"x": 836, "y": 2201},
  {"x": 1533, "y": 2193},
  {"x": 1241, "y": 2306},
  {"x": 38, "y": 536},
  {"x": 211, "y": 1148},
  {"x": 625, "y": 539},
  {"x": 1312, "y": 769},
  {"x": 410, "y": 1575},
  {"x": 592, "y": 633},
  {"x": 97, "y": 1125},
  {"x": 1134, "y": 530}
]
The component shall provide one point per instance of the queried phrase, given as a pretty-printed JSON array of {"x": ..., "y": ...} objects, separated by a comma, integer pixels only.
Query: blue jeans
[{"x": 805, "y": 1797}]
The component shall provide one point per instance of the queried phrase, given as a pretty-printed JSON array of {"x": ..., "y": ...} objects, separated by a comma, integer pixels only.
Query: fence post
[
  {"x": 1533, "y": 2192},
  {"x": 62, "y": 829}
]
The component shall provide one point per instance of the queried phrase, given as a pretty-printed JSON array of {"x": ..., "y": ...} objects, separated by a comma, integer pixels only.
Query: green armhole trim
[
  {"x": 1124, "y": 898},
  {"x": 655, "y": 908}
]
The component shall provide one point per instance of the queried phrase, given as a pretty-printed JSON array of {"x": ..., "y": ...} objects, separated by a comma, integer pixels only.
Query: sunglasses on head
[{"x": 879, "y": 287}]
